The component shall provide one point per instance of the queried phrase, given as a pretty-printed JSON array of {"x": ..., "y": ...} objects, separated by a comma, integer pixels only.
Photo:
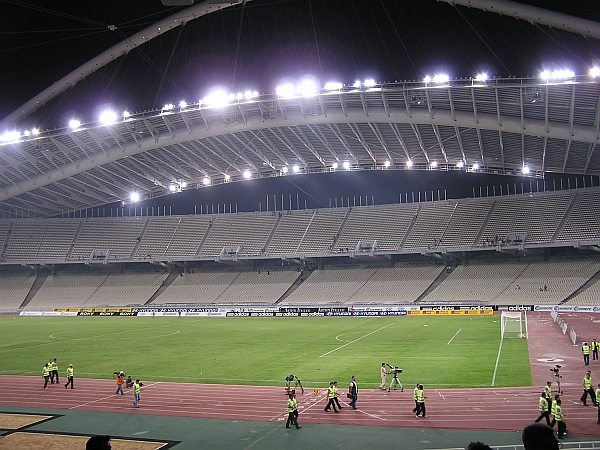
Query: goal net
[{"x": 513, "y": 324}]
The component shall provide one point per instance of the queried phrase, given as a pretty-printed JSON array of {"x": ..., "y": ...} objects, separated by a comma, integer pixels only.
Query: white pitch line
[
  {"x": 355, "y": 340},
  {"x": 454, "y": 336}
]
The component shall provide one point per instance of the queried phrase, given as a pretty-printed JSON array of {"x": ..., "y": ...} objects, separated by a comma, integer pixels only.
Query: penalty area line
[
  {"x": 450, "y": 341},
  {"x": 355, "y": 340}
]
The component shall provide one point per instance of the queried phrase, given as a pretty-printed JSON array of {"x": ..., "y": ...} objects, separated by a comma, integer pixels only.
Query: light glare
[
  {"x": 108, "y": 117},
  {"x": 333, "y": 86},
  {"x": 525, "y": 169},
  {"x": 409, "y": 163},
  {"x": 441, "y": 78},
  {"x": 346, "y": 165},
  {"x": 369, "y": 83},
  {"x": 285, "y": 90},
  {"x": 247, "y": 174},
  {"x": 475, "y": 166},
  {"x": 595, "y": 72},
  {"x": 427, "y": 79},
  {"x": 134, "y": 197},
  {"x": 206, "y": 181},
  {"x": 285, "y": 169},
  {"x": 433, "y": 164},
  {"x": 74, "y": 124},
  {"x": 481, "y": 77},
  {"x": 387, "y": 164},
  {"x": 296, "y": 169},
  {"x": 460, "y": 164}
]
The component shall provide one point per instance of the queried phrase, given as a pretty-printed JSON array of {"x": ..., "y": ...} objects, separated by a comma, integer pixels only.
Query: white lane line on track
[
  {"x": 105, "y": 398},
  {"x": 355, "y": 340},
  {"x": 497, "y": 362},
  {"x": 450, "y": 341}
]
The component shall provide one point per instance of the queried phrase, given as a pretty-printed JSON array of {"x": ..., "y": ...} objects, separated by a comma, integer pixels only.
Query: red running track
[{"x": 492, "y": 409}]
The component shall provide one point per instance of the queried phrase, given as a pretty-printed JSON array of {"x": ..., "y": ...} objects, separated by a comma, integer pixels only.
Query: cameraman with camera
[{"x": 384, "y": 373}]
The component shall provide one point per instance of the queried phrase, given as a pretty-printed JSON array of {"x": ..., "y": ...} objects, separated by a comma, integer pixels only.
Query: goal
[{"x": 513, "y": 324}]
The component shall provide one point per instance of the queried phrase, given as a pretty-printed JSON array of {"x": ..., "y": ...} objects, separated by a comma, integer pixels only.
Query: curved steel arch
[
  {"x": 533, "y": 14},
  {"x": 116, "y": 51}
]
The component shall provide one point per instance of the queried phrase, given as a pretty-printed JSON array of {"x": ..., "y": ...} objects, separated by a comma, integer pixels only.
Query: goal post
[{"x": 513, "y": 324}]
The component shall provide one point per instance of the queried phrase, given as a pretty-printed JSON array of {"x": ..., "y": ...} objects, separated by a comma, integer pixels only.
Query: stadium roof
[{"x": 498, "y": 125}]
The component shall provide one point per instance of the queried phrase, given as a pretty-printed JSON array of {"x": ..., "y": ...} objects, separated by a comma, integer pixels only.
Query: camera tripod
[{"x": 395, "y": 382}]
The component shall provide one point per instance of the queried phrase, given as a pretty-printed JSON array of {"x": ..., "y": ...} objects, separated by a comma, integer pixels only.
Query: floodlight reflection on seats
[
  {"x": 433, "y": 164},
  {"x": 475, "y": 166},
  {"x": 346, "y": 165},
  {"x": 206, "y": 181},
  {"x": 134, "y": 197},
  {"x": 387, "y": 164},
  {"x": 460, "y": 164},
  {"x": 409, "y": 163},
  {"x": 525, "y": 170},
  {"x": 296, "y": 169}
]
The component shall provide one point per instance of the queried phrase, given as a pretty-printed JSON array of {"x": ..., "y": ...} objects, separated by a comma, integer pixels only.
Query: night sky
[{"x": 263, "y": 44}]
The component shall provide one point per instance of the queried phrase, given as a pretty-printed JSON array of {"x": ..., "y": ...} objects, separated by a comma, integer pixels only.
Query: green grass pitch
[{"x": 441, "y": 352}]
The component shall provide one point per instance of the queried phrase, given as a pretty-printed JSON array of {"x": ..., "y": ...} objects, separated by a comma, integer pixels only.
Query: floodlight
[
  {"x": 183, "y": 104},
  {"x": 126, "y": 114},
  {"x": 346, "y": 165},
  {"x": 74, "y": 124},
  {"x": 183, "y": 184},
  {"x": 296, "y": 169},
  {"x": 409, "y": 163},
  {"x": 247, "y": 174},
  {"x": 481, "y": 77},
  {"x": 475, "y": 166},
  {"x": 427, "y": 79},
  {"x": 239, "y": 96},
  {"x": 460, "y": 164},
  {"x": 334, "y": 166},
  {"x": 134, "y": 197},
  {"x": 369, "y": 83},
  {"x": 285, "y": 169},
  {"x": 595, "y": 72},
  {"x": 227, "y": 178},
  {"x": 433, "y": 164},
  {"x": 26, "y": 133},
  {"x": 248, "y": 95},
  {"x": 206, "y": 181},
  {"x": 172, "y": 188},
  {"x": 525, "y": 170},
  {"x": 441, "y": 78},
  {"x": 217, "y": 98},
  {"x": 357, "y": 84},
  {"x": 285, "y": 90},
  {"x": 35, "y": 131},
  {"x": 254, "y": 94},
  {"x": 168, "y": 107},
  {"x": 387, "y": 164},
  {"x": 333, "y": 86},
  {"x": 308, "y": 88},
  {"x": 557, "y": 74},
  {"x": 11, "y": 136},
  {"x": 108, "y": 117}
]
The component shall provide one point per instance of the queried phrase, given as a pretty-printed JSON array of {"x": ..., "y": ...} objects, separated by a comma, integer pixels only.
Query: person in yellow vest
[
  {"x": 69, "y": 377},
  {"x": 292, "y": 409},
  {"x": 415, "y": 390},
  {"x": 585, "y": 350},
  {"x": 137, "y": 388},
  {"x": 548, "y": 392},
  {"x": 46, "y": 375},
  {"x": 421, "y": 403},
  {"x": 553, "y": 410},
  {"x": 559, "y": 416},
  {"x": 51, "y": 373},
  {"x": 598, "y": 402},
  {"x": 588, "y": 389},
  {"x": 54, "y": 371},
  {"x": 595, "y": 348},
  {"x": 331, "y": 397},
  {"x": 336, "y": 398},
  {"x": 544, "y": 408}
]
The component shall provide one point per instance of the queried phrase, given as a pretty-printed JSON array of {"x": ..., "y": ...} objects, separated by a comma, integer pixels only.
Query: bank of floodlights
[{"x": 562, "y": 74}]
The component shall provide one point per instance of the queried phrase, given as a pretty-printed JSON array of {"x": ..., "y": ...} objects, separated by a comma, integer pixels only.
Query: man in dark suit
[{"x": 353, "y": 392}]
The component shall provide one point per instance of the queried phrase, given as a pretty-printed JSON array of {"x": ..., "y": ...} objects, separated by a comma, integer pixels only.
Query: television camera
[
  {"x": 288, "y": 384},
  {"x": 394, "y": 371},
  {"x": 556, "y": 370}
]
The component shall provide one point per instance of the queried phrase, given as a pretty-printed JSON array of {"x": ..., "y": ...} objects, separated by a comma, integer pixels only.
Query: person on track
[
  {"x": 598, "y": 402},
  {"x": 46, "y": 375},
  {"x": 588, "y": 389},
  {"x": 54, "y": 371},
  {"x": 585, "y": 350},
  {"x": 336, "y": 397},
  {"x": 120, "y": 383},
  {"x": 331, "y": 399},
  {"x": 595, "y": 347},
  {"x": 421, "y": 412},
  {"x": 383, "y": 377},
  {"x": 544, "y": 408},
  {"x": 292, "y": 409},
  {"x": 353, "y": 392},
  {"x": 69, "y": 377},
  {"x": 559, "y": 416},
  {"x": 137, "y": 388}
]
